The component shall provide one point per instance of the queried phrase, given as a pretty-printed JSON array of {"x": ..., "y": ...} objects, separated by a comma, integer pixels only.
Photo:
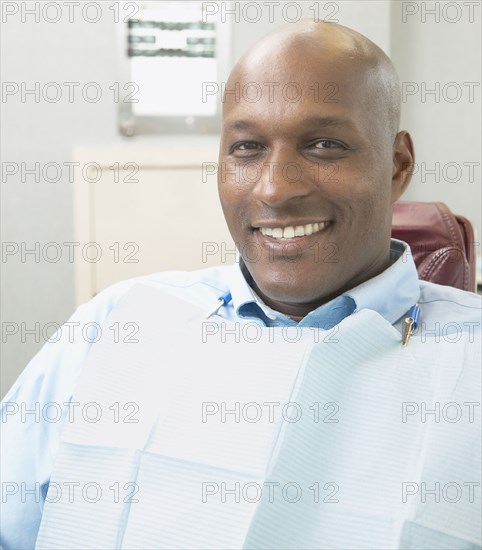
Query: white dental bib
[{"x": 205, "y": 434}]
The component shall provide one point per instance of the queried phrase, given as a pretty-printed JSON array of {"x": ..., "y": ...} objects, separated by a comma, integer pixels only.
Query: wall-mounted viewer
[{"x": 170, "y": 54}]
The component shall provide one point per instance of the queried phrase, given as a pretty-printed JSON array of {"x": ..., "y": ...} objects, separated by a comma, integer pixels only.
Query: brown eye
[
  {"x": 246, "y": 146},
  {"x": 328, "y": 144},
  {"x": 245, "y": 149}
]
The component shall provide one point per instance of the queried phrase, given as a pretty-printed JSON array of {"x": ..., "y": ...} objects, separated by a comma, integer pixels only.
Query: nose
[{"x": 282, "y": 179}]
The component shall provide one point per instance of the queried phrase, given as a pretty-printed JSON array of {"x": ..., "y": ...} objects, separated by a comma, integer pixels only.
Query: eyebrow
[{"x": 310, "y": 122}]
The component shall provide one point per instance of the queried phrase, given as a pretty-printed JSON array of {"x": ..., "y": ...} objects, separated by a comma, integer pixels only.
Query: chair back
[{"x": 442, "y": 243}]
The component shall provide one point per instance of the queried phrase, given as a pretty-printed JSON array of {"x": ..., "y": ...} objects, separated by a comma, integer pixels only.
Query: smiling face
[{"x": 309, "y": 168}]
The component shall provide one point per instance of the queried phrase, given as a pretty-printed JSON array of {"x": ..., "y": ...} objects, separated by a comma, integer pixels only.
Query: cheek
[
  {"x": 377, "y": 212},
  {"x": 233, "y": 202},
  {"x": 365, "y": 205}
]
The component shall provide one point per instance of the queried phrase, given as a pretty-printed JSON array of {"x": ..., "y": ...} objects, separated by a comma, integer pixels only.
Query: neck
[{"x": 297, "y": 311}]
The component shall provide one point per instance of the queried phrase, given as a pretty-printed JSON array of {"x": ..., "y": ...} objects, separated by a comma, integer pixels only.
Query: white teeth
[{"x": 291, "y": 232}]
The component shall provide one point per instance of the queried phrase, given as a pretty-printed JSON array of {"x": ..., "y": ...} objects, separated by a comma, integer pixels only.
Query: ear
[{"x": 403, "y": 164}]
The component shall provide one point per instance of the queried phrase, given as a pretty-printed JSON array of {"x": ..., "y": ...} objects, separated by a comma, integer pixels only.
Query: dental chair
[{"x": 442, "y": 243}]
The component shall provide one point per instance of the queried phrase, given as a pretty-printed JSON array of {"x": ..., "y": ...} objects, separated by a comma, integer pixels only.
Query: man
[{"x": 309, "y": 171}]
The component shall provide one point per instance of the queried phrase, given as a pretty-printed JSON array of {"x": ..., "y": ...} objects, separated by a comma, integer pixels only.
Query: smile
[{"x": 293, "y": 231}]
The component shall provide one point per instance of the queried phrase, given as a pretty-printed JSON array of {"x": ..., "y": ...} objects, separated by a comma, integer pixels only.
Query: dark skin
[{"x": 295, "y": 157}]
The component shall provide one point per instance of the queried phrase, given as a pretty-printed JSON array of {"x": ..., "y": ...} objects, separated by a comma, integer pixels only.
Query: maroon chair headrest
[{"x": 442, "y": 243}]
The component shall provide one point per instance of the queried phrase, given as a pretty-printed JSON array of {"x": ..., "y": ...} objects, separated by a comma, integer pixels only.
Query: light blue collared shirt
[
  {"x": 391, "y": 294},
  {"x": 31, "y": 433}
]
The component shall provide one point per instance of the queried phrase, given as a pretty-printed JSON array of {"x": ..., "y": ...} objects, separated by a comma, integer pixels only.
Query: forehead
[{"x": 289, "y": 87}]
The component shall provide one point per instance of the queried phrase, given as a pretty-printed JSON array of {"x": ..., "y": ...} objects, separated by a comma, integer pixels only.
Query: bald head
[
  {"x": 312, "y": 162},
  {"x": 309, "y": 51}
]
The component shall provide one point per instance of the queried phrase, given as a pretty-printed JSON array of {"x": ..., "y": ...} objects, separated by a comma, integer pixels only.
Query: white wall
[
  {"x": 45, "y": 132},
  {"x": 445, "y": 126},
  {"x": 86, "y": 52}
]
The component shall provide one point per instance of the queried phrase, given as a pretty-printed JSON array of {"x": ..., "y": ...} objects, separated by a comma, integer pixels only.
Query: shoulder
[
  {"x": 57, "y": 365},
  {"x": 200, "y": 287},
  {"x": 458, "y": 302},
  {"x": 450, "y": 311}
]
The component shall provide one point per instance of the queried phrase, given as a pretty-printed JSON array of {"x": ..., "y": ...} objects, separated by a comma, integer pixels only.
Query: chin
[{"x": 288, "y": 291}]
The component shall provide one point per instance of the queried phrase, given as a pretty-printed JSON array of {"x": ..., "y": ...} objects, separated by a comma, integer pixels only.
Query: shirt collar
[
  {"x": 245, "y": 301},
  {"x": 395, "y": 290},
  {"x": 391, "y": 294}
]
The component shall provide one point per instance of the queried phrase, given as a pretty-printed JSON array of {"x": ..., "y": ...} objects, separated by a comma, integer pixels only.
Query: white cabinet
[{"x": 149, "y": 206}]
